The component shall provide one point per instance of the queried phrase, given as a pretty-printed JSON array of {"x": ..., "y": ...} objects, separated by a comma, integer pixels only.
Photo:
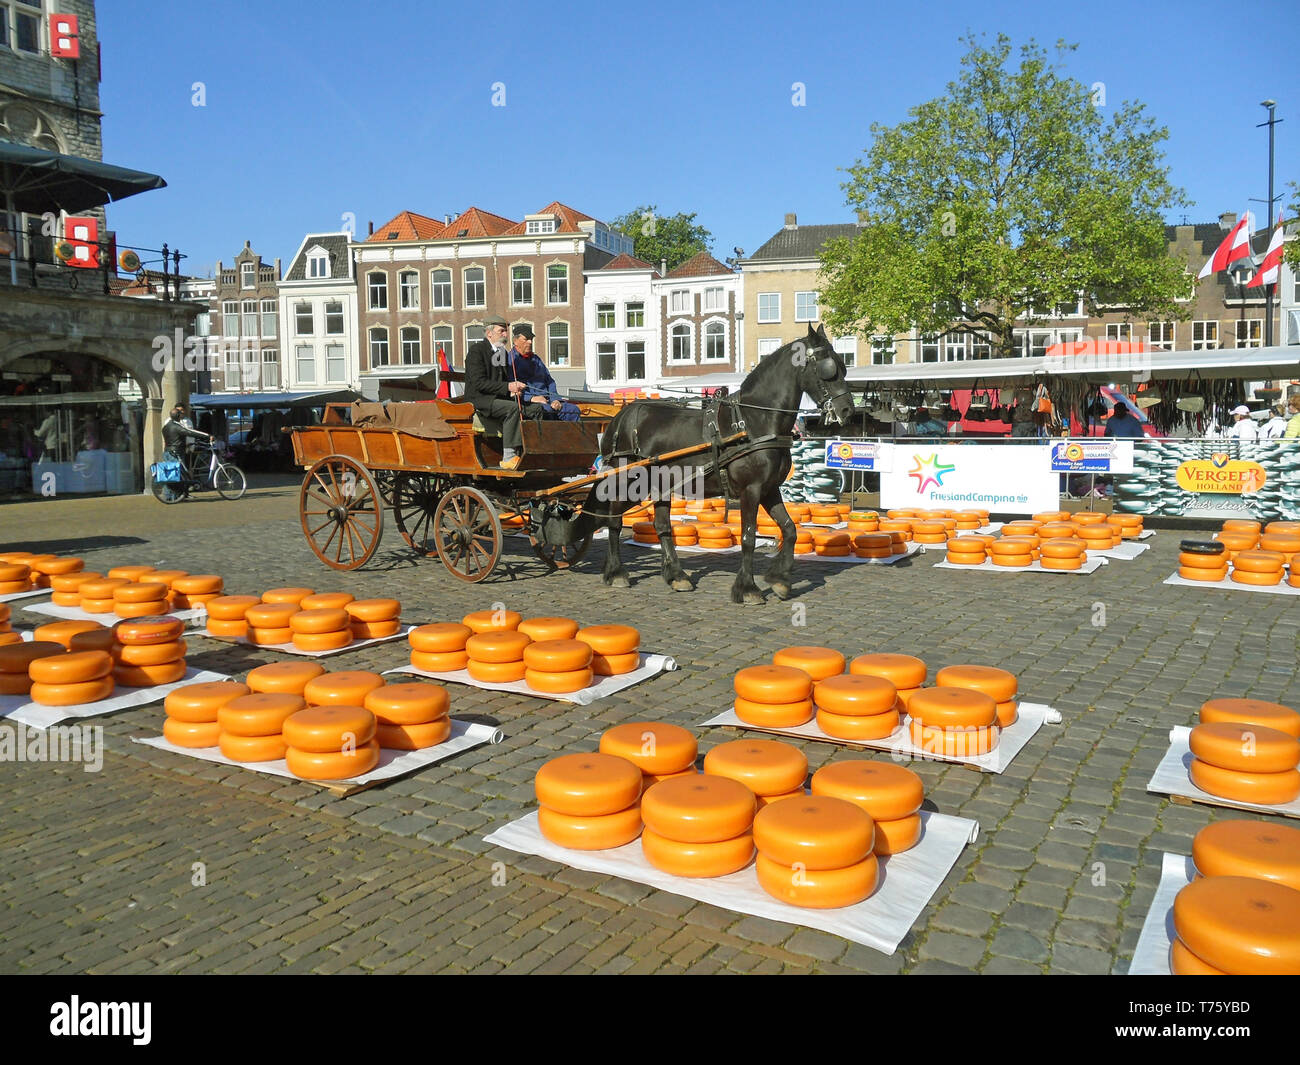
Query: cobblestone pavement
[{"x": 99, "y": 867}]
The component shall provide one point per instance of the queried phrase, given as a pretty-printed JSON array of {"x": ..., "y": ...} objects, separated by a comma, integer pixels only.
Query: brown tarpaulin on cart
[{"x": 419, "y": 419}]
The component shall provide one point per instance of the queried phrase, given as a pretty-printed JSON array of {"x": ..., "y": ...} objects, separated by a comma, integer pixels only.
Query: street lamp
[{"x": 1270, "y": 106}]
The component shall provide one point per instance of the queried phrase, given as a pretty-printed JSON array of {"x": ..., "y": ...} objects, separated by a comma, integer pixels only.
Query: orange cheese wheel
[
  {"x": 774, "y": 715},
  {"x": 684, "y": 534},
  {"x": 198, "y": 584},
  {"x": 64, "y": 598},
  {"x": 1252, "y": 711},
  {"x": 1019, "y": 548},
  {"x": 1190, "y": 561},
  {"x": 70, "y": 668},
  {"x": 902, "y": 671},
  {"x": 270, "y": 637},
  {"x": 610, "y": 639},
  {"x": 230, "y": 607},
  {"x": 436, "y": 662},
  {"x": 1182, "y": 962},
  {"x": 149, "y": 676},
  {"x": 1061, "y": 550},
  {"x": 1241, "y": 926},
  {"x": 319, "y": 621},
  {"x": 597, "y": 833},
  {"x": 18, "y": 657},
  {"x": 556, "y": 683},
  {"x": 1240, "y": 576},
  {"x": 128, "y": 573},
  {"x": 698, "y": 808},
  {"x": 648, "y": 780},
  {"x": 1013, "y": 560},
  {"x": 503, "y": 646},
  {"x": 56, "y": 566},
  {"x": 835, "y": 538},
  {"x": 697, "y": 860},
  {"x": 293, "y": 596},
  {"x": 228, "y": 629},
  {"x": 325, "y": 601},
  {"x": 894, "y": 837},
  {"x": 654, "y": 747},
  {"x": 1293, "y": 577},
  {"x": 954, "y": 742},
  {"x": 270, "y": 615},
  {"x": 587, "y": 785},
  {"x": 492, "y": 620},
  {"x": 325, "y": 729},
  {"x": 1050, "y": 515},
  {"x": 10, "y": 587},
  {"x": 333, "y": 765},
  {"x": 885, "y": 790},
  {"x": 773, "y": 684},
  {"x": 101, "y": 589},
  {"x": 1284, "y": 543},
  {"x": 1261, "y": 789},
  {"x": 156, "y": 629},
  {"x": 872, "y": 540},
  {"x": 1259, "y": 561},
  {"x": 1292, "y": 527},
  {"x": 614, "y": 665},
  {"x": 1008, "y": 713},
  {"x": 322, "y": 641},
  {"x": 251, "y": 748},
  {"x": 645, "y": 538},
  {"x": 766, "y": 767},
  {"x": 855, "y": 695},
  {"x": 346, "y": 689},
  {"x": 645, "y": 529},
  {"x": 1241, "y": 525},
  {"x": 764, "y": 800},
  {"x": 15, "y": 556},
  {"x": 192, "y": 602},
  {"x": 91, "y": 691},
  {"x": 411, "y": 703},
  {"x": 496, "y": 672},
  {"x": 1212, "y": 575},
  {"x": 541, "y": 629},
  {"x": 803, "y": 549},
  {"x": 150, "y": 654},
  {"x": 413, "y": 737},
  {"x": 259, "y": 713},
  {"x": 951, "y": 707},
  {"x": 13, "y": 571},
  {"x": 199, "y": 703},
  {"x": 1058, "y": 530},
  {"x": 1243, "y": 747},
  {"x": 165, "y": 576},
  {"x": 875, "y": 552},
  {"x": 149, "y": 609},
  {"x": 867, "y": 727},
  {"x": 1258, "y": 849},
  {"x": 439, "y": 638},
  {"x": 283, "y": 677},
  {"x": 557, "y": 656},
  {"x": 997, "y": 684},
  {"x": 144, "y": 592},
  {"x": 1020, "y": 528},
  {"x": 63, "y": 631},
  {"x": 818, "y": 832},
  {"x": 817, "y": 662},
  {"x": 94, "y": 640},
  {"x": 374, "y": 609},
  {"x": 191, "y": 733},
  {"x": 965, "y": 558}
]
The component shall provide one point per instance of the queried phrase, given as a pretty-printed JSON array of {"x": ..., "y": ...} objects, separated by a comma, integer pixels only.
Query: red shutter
[
  {"x": 83, "y": 235},
  {"x": 63, "y": 37}
]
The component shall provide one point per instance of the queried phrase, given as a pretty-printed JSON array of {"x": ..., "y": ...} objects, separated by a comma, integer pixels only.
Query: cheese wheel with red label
[
  {"x": 91, "y": 691},
  {"x": 819, "y": 832},
  {"x": 128, "y": 573},
  {"x": 820, "y": 889},
  {"x": 325, "y": 601},
  {"x": 143, "y": 630},
  {"x": 1182, "y": 962},
  {"x": 411, "y": 703},
  {"x": 319, "y": 621},
  {"x": 150, "y": 654},
  {"x": 954, "y": 742},
  {"x": 1252, "y": 711},
  {"x": 855, "y": 695},
  {"x": 952, "y": 708},
  {"x": 333, "y": 765},
  {"x": 554, "y": 683},
  {"x": 817, "y": 662},
  {"x": 492, "y": 620},
  {"x": 1211, "y": 575},
  {"x": 270, "y": 615},
  {"x": 557, "y": 656},
  {"x": 259, "y": 713},
  {"x": 375, "y": 630},
  {"x": 374, "y": 609},
  {"x": 496, "y": 672},
  {"x": 766, "y": 767},
  {"x": 615, "y": 665},
  {"x": 323, "y": 729},
  {"x": 1241, "y": 576},
  {"x": 62, "y": 631},
  {"x": 227, "y": 629},
  {"x": 439, "y": 638},
  {"x": 199, "y": 703},
  {"x": 540, "y": 629},
  {"x": 70, "y": 668},
  {"x": 432, "y": 662},
  {"x": 587, "y": 785},
  {"x": 290, "y": 677},
  {"x": 413, "y": 737},
  {"x": 1246, "y": 748},
  {"x": 1261, "y": 789},
  {"x": 1258, "y": 849},
  {"x": 773, "y": 684},
  {"x": 654, "y": 747},
  {"x": 595, "y": 833},
  {"x": 149, "y": 676},
  {"x": 868, "y": 727},
  {"x": 144, "y": 592},
  {"x": 230, "y": 607},
  {"x": 698, "y": 808},
  {"x": 100, "y": 639},
  {"x": 1241, "y": 926},
  {"x": 347, "y": 689},
  {"x": 322, "y": 641},
  {"x": 191, "y": 733},
  {"x": 503, "y": 646},
  {"x": 774, "y": 715},
  {"x": 902, "y": 671},
  {"x": 697, "y": 860},
  {"x": 610, "y": 639},
  {"x": 270, "y": 637},
  {"x": 885, "y": 790}
]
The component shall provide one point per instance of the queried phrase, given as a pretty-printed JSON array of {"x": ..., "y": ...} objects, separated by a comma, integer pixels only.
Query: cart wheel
[
  {"x": 564, "y": 556},
  {"x": 467, "y": 533},
  {"x": 415, "y": 501},
  {"x": 384, "y": 482},
  {"x": 341, "y": 512}
]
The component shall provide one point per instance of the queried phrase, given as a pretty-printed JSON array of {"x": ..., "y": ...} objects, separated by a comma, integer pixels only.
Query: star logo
[{"x": 929, "y": 471}]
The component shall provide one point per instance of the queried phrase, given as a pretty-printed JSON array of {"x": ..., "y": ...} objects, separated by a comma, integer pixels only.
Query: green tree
[
  {"x": 1001, "y": 200},
  {"x": 655, "y": 237}
]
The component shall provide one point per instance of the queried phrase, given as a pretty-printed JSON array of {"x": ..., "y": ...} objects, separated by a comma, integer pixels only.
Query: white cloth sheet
[
  {"x": 1172, "y": 778},
  {"x": 1228, "y": 584},
  {"x": 1151, "y": 956},
  {"x": 290, "y": 649},
  {"x": 34, "y": 715},
  {"x": 1091, "y": 566}
]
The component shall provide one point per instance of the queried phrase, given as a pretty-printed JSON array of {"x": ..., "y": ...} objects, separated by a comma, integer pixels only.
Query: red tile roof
[
  {"x": 567, "y": 219},
  {"x": 408, "y": 226},
  {"x": 477, "y": 223},
  {"x": 702, "y": 264},
  {"x": 627, "y": 262}
]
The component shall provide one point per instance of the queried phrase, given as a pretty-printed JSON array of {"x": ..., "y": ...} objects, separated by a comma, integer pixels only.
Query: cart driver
[
  {"x": 495, "y": 395},
  {"x": 540, "y": 387}
]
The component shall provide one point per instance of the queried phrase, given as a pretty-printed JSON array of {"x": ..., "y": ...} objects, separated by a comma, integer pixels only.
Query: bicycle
[{"x": 202, "y": 467}]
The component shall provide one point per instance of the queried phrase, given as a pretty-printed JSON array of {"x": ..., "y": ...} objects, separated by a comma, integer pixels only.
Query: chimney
[
  {"x": 278, "y": 275},
  {"x": 370, "y": 228},
  {"x": 1227, "y": 220},
  {"x": 248, "y": 244},
  {"x": 446, "y": 220},
  {"x": 663, "y": 267},
  {"x": 791, "y": 221}
]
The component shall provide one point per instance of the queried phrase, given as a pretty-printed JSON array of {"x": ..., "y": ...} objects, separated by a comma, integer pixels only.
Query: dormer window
[
  {"x": 318, "y": 263},
  {"x": 248, "y": 275},
  {"x": 540, "y": 225}
]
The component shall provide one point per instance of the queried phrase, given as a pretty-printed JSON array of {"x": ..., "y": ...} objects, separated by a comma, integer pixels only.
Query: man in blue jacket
[{"x": 539, "y": 385}]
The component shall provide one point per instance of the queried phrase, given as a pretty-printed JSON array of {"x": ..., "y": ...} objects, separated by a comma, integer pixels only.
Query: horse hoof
[
  {"x": 781, "y": 588},
  {"x": 682, "y": 585},
  {"x": 754, "y": 597},
  {"x": 617, "y": 580}
]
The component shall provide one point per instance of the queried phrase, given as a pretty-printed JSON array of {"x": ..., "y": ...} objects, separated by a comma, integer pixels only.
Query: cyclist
[{"x": 176, "y": 430}]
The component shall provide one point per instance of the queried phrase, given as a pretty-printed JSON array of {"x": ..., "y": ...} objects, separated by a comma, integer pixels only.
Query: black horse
[{"x": 764, "y": 409}]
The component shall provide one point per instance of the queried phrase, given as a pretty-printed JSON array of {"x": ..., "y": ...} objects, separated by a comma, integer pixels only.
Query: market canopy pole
[{"x": 1271, "y": 105}]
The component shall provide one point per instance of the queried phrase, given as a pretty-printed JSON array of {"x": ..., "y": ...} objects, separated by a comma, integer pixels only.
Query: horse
[{"x": 751, "y": 469}]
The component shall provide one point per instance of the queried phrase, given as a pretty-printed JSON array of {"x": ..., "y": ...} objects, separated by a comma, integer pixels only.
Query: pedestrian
[
  {"x": 1293, "y": 423},
  {"x": 1275, "y": 427},
  {"x": 1122, "y": 423},
  {"x": 47, "y": 434},
  {"x": 1243, "y": 428},
  {"x": 1023, "y": 423}
]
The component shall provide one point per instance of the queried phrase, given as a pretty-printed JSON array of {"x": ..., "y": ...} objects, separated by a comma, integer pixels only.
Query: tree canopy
[
  {"x": 1003, "y": 199},
  {"x": 673, "y": 237}
]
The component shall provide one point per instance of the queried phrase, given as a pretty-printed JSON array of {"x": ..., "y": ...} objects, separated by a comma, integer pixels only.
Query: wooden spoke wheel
[
  {"x": 467, "y": 533},
  {"x": 342, "y": 512},
  {"x": 385, "y": 481},
  {"x": 564, "y": 556},
  {"x": 415, "y": 500}
]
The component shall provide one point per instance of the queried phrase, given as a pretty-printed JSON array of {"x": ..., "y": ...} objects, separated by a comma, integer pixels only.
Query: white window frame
[
  {"x": 883, "y": 350},
  {"x": 1206, "y": 327},
  {"x": 639, "y": 346},
  {"x": 342, "y": 328},
  {"x": 848, "y": 350},
  {"x": 678, "y": 331},
  {"x": 481, "y": 283},
  {"x": 954, "y": 347},
  {"x": 473, "y": 334},
  {"x": 714, "y": 327},
  {"x": 807, "y": 316},
  {"x": 634, "y": 307},
  {"x": 448, "y": 342},
  {"x": 377, "y": 335},
  {"x": 229, "y": 317},
  {"x": 300, "y": 360},
  {"x": 408, "y": 290},
  {"x": 930, "y": 348},
  {"x": 247, "y": 275},
  {"x": 340, "y": 360},
  {"x": 377, "y": 290},
  {"x": 714, "y": 298},
  {"x": 773, "y": 300},
  {"x": 553, "y": 337},
  {"x": 767, "y": 345},
  {"x": 441, "y": 288},
  {"x": 679, "y": 301},
  {"x": 538, "y": 226},
  {"x": 249, "y": 313},
  {"x": 270, "y": 357},
  {"x": 298, "y": 310},
  {"x": 1254, "y": 330},
  {"x": 553, "y": 282},
  {"x": 270, "y": 314},
  {"x": 1119, "y": 331},
  {"x": 525, "y": 278},
  {"x": 1160, "y": 336},
  {"x": 606, "y": 316},
  {"x": 11, "y": 36},
  {"x": 606, "y": 348},
  {"x": 318, "y": 266},
  {"x": 410, "y": 346}
]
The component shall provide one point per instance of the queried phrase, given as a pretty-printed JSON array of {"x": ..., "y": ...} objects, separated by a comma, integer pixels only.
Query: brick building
[
  {"x": 245, "y": 325},
  {"x": 701, "y": 316}
]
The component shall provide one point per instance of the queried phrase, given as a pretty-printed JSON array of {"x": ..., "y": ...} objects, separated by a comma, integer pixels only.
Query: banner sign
[
  {"x": 1011, "y": 478},
  {"x": 1092, "y": 456},
  {"x": 1257, "y": 480},
  {"x": 852, "y": 454}
]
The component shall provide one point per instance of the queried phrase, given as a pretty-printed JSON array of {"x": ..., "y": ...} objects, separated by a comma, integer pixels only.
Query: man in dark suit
[{"x": 491, "y": 388}]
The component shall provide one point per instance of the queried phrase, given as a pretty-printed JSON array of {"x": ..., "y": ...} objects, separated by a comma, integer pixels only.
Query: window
[
  {"x": 203, "y": 324},
  {"x": 557, "y": 343},
  {"x": 805, "y": 307},
  {"x": 305, "y": 364},
  {"x": 540, "y": 225},
  {"x": 715, "y": 299},
  {"x": 269, "y": 316},
  {"x": 954, "y": 347},
  {"x": 408, "y": 288},
  {"x": 1040, "y": 339},
  {"x": 270, "y": 368},
  {"x": 1161, "y": 335},
  {"x": 334, "y": 318},
  {"x": 378, "y": 347},
  {"x": 1205, "y": 336},
  {"x": 767, "y": 345},
  {"x": 1070, "y": 310},
  {"x": 229, "y": 318},
  {"x": 1119, "y": 331},
  {"x": 248, "y": 318},
  {"x": 882, "y": 350},
  {"x": 679, "y": 301},
  {"x": 769, "y": 308},
  {"x": 442, "y": 341},
  {"x": 27, "y": 26},
  {"x": 521, "y": 286},
  {"x": 848, "y": 349},
  {"x": 318, "y": 264},
  {"x": 929, "y": 349},
  {"x": 981, "y": 347},
  {"x": 231, "y": 382},
  {"x": 336, "y": 364},
  {"x": 604, "y": 316},
  {"x": 248, "y": 275},
  {"x": 377, "y": 284},
  {"x": 636, "y": 361},
  {"x": 606, "y": 362},
  {"x": 473, "y": 334},
  {"x": 303, "y": 321},
  {"x": 475, "y": 287},
  {"x": 635, "y": 315},
  {"x": 1250, "y": 332},
  {"x": 410, "y": 345},
  {"x": 715, "y": 340},
  {"x": 441, "y": 283},
  {"x": 682, "y": 348},
  {"x": 557, "y": 284}
]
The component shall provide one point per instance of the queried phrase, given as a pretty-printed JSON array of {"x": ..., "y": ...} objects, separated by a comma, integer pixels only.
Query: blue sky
[{"x": 315, "y": 110}]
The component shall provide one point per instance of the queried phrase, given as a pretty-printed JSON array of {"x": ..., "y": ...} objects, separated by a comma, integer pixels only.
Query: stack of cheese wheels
[
  {"x": 953, "y": 722},
  {"x": 1236, "y": 926},
  {"x": 374, "y": 619},
  {"x": 440, "y": 647},
  {"x": 97, "y": 595},
  {"x": 1129, "y": 526},
  {"x": 766, "y": 524},
  {"x": 15, "y": 658},
  {"x": 1252, "y": 712},
  {"x": 905, "y": 672},
  {"x": 967, "y": 551},
  {"x": 291, "y": 677},
  {"x": 615, "y": 649},
  {"x": 323, "y": 629},
  {"x": 684, "y": 534},
  {"x": 226, "y": 615},
  {"x": 968, "y": 520},
  {"x": 1012, "y": 552},
  {"x": 903, "y": 526},
  {"x": 325, "y": 601},
  {"x": 330, "y": 742},
  {"x": 873, "y": 545},
  {"x": 772, "y": 770},
  {"x": 661, "y": 751},
  {"x": 192, "y": 712},
  {"x": 252, "y": 726},
  {"x": 644, "y": 532},
  {"x": 1257, "y": 849},
  {"x": 890, "y": 794},
  {"x": 348, "y": 688},
  {"x": 863, "y": 521},
  {"x": 44, "y": 570},
  {"x": 698, "y": 825},
  {"x": 825, "y": 514},
  {"x": 492, "y": 621},
  {"x": 1237, "y": 541},
  {"x": 556, "y": 666},
  {"x": 816, "y": 852},
  {"x": 1098, "y": 536},
  {"x": 129, "y": 573},
  {"x": 1288, "y": 543},
  {"x": 997, "y": 684},
  {"x": 588, "y": 802},
  {"x": 71, "y": 679},
  {"x": 1023, "y": 528},
  {"x": 538, "y": 629},
  {"x": 1059, "y": 530},
  {"x": 140, "y": 599},
  {"x": 1245, "y": 762},
  {"x": 268, "y": 623},
  {"x": 856, "y": 706},
  {"x": 774, "y": 696},
  {"x": 818, "y": 662},
  {"x": 15, "y": 577},
  {"x": 800, "y": 512},
  {"x": 677, "y": 505},
  {"x": 497, "y": 656},
  {"x": 1088, "y": 517},
  {"x": 63, "y": 631},
  {"x": 803, "y": 541},
  {"x": 1293, "y": 573},
  {"x": 166, "y": 577},
  {"x": 64, "y": 587},
  {"x": 411, "y": 716},
  {"x": 714, "y": 537},
  {"x": 7, "y": 634},
  {"x": 833, "y": 543},
  {"x": 151, "y": 651},
  {"x": 287, "y": 595},
  {"x": 1258, "y": 567},
  {"x": 1062, "y": 554},
  {"x": 194, "y": 590},
  {"x": 1202, "y": 560}
]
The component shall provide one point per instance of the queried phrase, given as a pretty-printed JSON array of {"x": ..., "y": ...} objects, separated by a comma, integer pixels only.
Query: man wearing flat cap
[
  {"x": 540, "y": 387},
  {"x": 494, "y": 392}
]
